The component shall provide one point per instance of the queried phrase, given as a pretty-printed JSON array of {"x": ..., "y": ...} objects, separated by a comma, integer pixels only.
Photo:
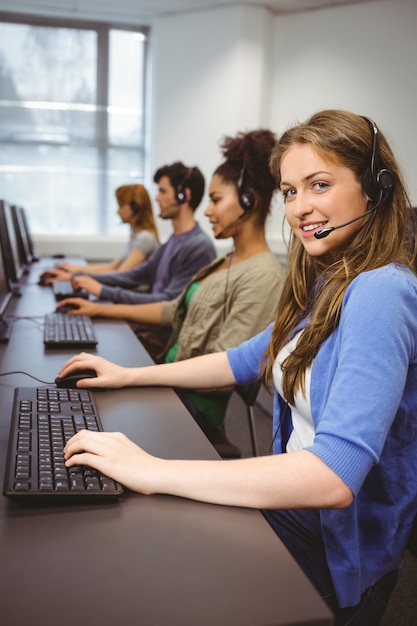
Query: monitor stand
[{"x": 4, "y": 331}]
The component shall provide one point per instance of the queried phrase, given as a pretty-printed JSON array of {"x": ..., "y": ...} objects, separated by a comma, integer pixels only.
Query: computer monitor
[
  {"x": 22, "y": 241},
  {"x": 5, "y": 295},
  {"x": 9, "y": 247},
  {"x": 28, "y": 236}
]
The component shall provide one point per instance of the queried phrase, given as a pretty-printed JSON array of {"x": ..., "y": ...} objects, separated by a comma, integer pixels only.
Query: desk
[{"x": 143, "y": 561}]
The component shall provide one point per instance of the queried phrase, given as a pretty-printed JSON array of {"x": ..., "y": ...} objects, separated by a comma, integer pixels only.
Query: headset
[
  {"x": 246, "y": 198},
  {"x": 180, "y": 195},
  {"x": 377, "y": 182},
  {"x": 136, "y": 208}
]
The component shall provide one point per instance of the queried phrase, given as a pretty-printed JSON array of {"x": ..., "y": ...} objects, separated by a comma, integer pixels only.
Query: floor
[{"x": 402, "y": 608}]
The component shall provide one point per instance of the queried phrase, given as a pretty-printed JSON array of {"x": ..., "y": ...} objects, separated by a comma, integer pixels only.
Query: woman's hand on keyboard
[{"x": 115, "y": 456}]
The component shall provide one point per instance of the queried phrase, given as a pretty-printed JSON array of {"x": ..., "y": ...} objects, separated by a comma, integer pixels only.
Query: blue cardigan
[{"x": 364, "y": 407}]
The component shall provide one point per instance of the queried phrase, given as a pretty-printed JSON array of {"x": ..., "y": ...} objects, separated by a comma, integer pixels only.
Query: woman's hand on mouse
[
  {"x": 108, "y": 374},
  {"x": 114, "y": 455}
]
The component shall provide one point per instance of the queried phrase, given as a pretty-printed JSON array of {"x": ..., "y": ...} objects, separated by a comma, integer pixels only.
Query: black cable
[
  {"x": 278, "y": 428},
  {"x": 45, "y": 382},
  {"x": 38, "y": 320},
  {"x": 226, "y": 287}
]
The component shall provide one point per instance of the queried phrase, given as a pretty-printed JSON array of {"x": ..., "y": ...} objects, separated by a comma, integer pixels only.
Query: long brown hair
[
  {"x": 315, "y": 286},
  {"x": 138, "y": 198}
]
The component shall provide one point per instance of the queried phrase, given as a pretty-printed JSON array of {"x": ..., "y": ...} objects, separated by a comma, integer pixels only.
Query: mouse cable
[
  {"x": 45, "y": 382},
  {"x": 30, "y": 284},
  {"x": 30, "y": 318},
  {"x": 25, "y": 317}
]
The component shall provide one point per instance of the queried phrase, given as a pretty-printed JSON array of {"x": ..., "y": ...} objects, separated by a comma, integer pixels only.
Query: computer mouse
[
  {"x": 67, "y": 307},
  {"x": 43, "y": 278},
  {"x": 81, "y": 293},
  {"x": 70, "y": 381}
]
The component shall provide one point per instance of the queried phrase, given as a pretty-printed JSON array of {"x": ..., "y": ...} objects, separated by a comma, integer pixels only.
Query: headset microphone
[
  {"x": 377, "y": 182},
  {"x": 229, "y": 226},
  {"x": 320, "y": 234}
]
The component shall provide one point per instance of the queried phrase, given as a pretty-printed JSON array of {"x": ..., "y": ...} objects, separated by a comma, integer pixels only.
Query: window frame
[{"x": 102, "y": 141}]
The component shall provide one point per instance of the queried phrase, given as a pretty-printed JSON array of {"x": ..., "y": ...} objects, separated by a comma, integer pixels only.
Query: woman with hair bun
[{"x": 235, "y": 296}]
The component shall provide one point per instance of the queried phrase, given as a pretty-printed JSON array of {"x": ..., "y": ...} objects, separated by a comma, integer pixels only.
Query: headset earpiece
[
  {"x": 246, "y": 198},
  {"x": 135, "y": 206},
  {"x": 376, "y": 180},
  {"x": 180, "y": 195}
]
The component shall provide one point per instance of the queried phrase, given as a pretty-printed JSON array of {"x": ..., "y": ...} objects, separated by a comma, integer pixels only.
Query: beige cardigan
[{"x": 230, "y": 306}]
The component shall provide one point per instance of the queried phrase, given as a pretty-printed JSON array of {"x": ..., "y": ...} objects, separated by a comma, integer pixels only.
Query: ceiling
[
  {"x": 155, "y": 8},
  {"x": 149, "y": 10}
]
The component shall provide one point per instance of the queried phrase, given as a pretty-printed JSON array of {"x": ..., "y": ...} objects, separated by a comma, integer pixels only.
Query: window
[{"x": 72, "y": 120}]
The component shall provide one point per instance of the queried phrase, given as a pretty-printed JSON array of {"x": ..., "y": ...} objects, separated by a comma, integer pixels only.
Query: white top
[{"x": 303, "y": 433}]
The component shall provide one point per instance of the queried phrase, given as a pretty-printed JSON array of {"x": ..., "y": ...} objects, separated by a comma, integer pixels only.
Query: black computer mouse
[
  {"x": 70, "y": 381},
  {"x": 44, "y": 277},
  {"x": 70, "y": 306}
]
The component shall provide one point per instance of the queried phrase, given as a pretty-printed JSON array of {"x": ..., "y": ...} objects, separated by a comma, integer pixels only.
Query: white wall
[
  {"x": 237, "y": 68},
  {"x": 209, "y": 80},
  {"x": 359, "y": 57},
  {"x": 218, "y": 71}
]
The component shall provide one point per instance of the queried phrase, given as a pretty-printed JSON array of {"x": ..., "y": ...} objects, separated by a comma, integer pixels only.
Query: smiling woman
[
  {"x": 336, "y": 182},
  {"x": 342, "y": 358},
  {"x": 325, "y": 194}
]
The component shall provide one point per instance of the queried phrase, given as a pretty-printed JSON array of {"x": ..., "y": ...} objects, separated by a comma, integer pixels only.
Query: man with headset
[
  {"x": 163, "y": 276},
  {"x": 170, "y": 268}
]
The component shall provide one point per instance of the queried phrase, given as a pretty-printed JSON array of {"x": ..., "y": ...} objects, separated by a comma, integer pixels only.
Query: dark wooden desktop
[{"x": 144, "y": 560}]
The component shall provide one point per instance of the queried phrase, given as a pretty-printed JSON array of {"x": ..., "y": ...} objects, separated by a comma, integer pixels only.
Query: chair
[{"x": 249, "y": 393}]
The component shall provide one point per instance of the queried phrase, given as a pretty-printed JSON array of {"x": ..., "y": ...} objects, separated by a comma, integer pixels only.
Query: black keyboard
[
  {"x": 43, "y": 419},
  {"x": 64, "y": 289},
  {"x": 68, "y": 331}
]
